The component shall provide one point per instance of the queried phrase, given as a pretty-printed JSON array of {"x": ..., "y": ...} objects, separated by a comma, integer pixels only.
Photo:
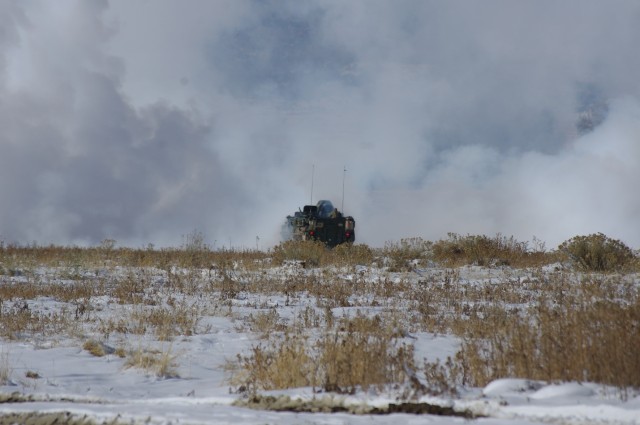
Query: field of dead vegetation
[{"x": 410, "y": 320}]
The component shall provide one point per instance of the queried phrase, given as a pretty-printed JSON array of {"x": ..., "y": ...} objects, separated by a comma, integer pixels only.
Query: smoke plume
[{"x": 145, "y": 121}]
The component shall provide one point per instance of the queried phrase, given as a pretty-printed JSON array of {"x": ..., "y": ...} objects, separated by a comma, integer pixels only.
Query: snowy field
[{"x": 116, "y": 344}]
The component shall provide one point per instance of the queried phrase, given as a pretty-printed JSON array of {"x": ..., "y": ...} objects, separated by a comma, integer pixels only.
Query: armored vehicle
[{"x": 320, "y": 222}]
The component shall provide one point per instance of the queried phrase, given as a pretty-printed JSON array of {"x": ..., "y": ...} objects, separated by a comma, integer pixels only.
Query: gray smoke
[{"x": 144, "y": 121}]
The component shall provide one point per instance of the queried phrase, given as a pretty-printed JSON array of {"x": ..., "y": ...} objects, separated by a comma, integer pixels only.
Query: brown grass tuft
[
  {"x": 5, "y": 368},
  {"x": 160, "y": 363},
  {"x": 94, "y": 348}
]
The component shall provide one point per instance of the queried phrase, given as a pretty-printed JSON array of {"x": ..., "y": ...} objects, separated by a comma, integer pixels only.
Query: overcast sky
[{"x": 146, "y": 121}]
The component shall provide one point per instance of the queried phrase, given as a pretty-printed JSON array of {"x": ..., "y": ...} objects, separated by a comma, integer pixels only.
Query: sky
[{"x": 146, "y": 122}]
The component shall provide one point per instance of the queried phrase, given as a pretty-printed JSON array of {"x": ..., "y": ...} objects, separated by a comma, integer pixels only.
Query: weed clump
[
  {"x": 284, "y": 363},
  {"x": 403, "y": 255},
  {"x": 353, "y": 254},
  {"x": 94, "y": 348},
  {"x": 309, "y": 253},
  {"x": 161, "y": 364},
  {"x": 353, "y": 353},
  {"x": 482, "y": 250},
  {"x": 597, "y": 253},
  {"x": 5, "y": 369}
]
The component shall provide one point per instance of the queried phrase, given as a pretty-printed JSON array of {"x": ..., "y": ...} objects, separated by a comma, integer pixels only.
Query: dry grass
[
  {"x": 316, "y": 254},
  {"x": 483, "y": 250},
  {"x": 129, "y": 290},
  {"x": 349, "y": 309},
  {"x": 539, "y": 325},
  {"x": 595, "y": 341},
  {"x": 266, "y": 322},
  {"x": 19, "y": 322},
  {"x": 32, "y": 374},
  {"x": 94, "y": 348},
  {"x": 159, "y": 363},
  {"x": 282, "y": 364},
  {"x": 5, "y": 368},
  {"x": 355, "y": 359},
  {"x": 406, "y": 254},
  {"x": 350, "y": 354},
  {"x": 308, "y": 253},
  {"x": 15, "y": 257}
]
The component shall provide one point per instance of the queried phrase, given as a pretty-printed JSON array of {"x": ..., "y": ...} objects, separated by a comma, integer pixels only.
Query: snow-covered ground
[{"x": 52, "y": 372}]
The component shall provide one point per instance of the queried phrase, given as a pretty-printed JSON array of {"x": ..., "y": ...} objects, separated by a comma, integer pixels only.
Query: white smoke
[{"x": 141, "y": 121}]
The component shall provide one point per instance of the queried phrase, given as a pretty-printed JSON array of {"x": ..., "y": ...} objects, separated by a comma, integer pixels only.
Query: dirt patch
[
  {"x": 336, "y": 405},
  {"x": 422, "y": 409},
  {"x": 38, "y": 418},
  {"x": 57, "y": 418},
  {"x": 15, "y": 397}
]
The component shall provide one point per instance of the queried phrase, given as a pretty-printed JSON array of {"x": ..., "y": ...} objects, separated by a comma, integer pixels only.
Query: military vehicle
[{"x": 320, "y": 222}]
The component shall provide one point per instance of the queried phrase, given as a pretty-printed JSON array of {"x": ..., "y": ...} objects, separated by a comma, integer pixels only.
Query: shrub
[
  {"x": 597, "y": 253},
  {"x": 401, "y": 255},
  {"x": 482, "y": 250}
]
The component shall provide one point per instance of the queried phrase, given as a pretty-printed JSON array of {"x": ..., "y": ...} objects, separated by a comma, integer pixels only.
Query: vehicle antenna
[
  {"x": 344, "y": 173},
  {"x": 313, "y": 169}
]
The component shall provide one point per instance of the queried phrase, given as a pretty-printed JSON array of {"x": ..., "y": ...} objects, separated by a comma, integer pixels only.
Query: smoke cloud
[{"x": 145, "y": 121}]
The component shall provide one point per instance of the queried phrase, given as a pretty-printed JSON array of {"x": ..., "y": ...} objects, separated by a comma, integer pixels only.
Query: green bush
[{"x": 597, "y": 253}]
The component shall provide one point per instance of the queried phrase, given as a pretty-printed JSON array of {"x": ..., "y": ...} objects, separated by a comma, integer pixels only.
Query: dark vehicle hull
[{"x": 323, "y": 223}]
